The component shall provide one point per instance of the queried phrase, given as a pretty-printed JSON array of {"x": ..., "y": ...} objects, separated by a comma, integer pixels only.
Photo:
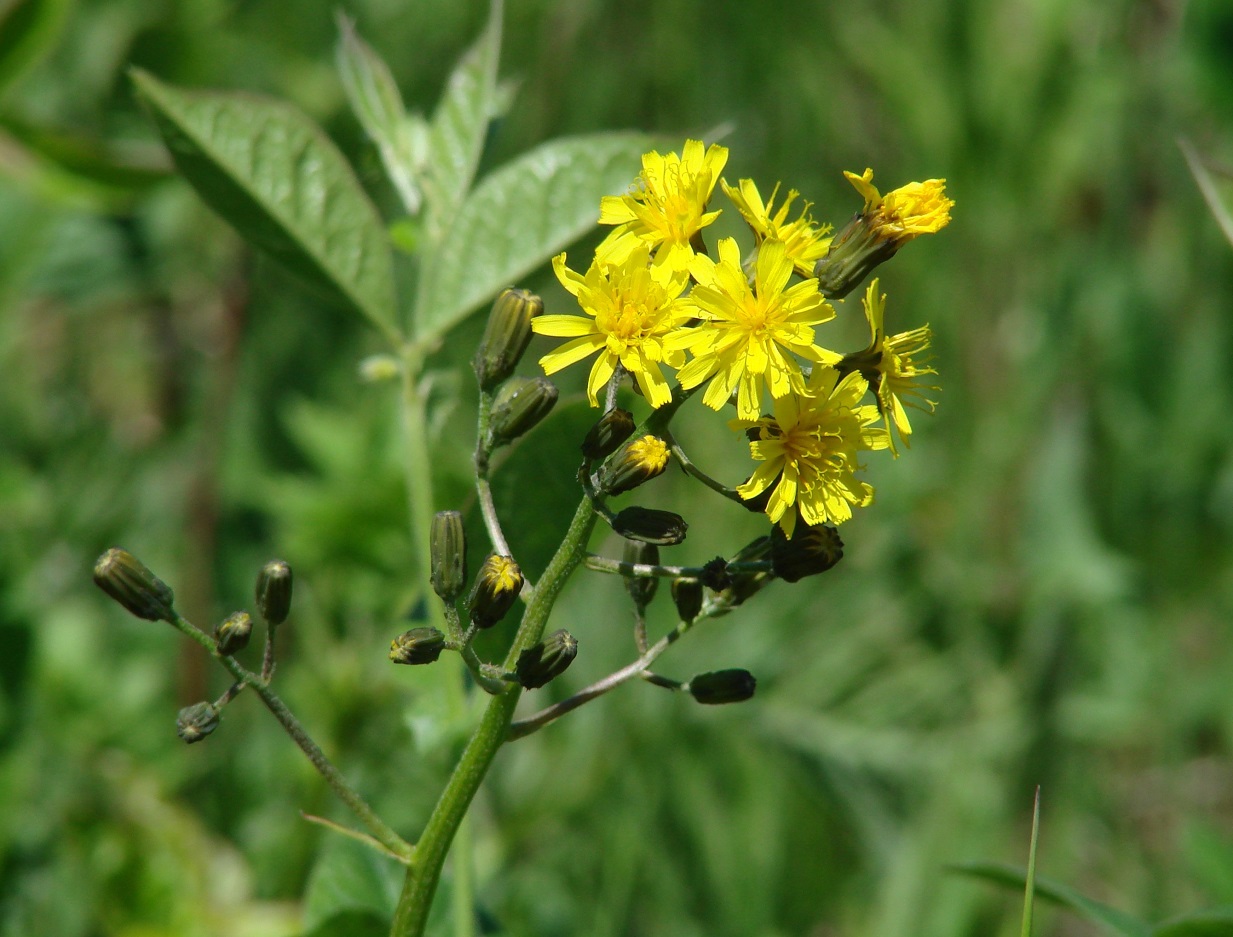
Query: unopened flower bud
[
  {"x": 376, "y": 368},
  {"x": 603, "y": 439},
  {"x": 274, "y": 592},
  {"x": 495, "y": 591},
  {"x": 506, "y": 336},
  {"x": 811, "y": 550},
  {"x": 744, "y": 583},
  {"x": 233, "y": 632},
  {"x": 662, "y": 528},
  {"x": 417, "y": 646},
  {"x": 519, "y": 405},
  {"x": 641, "y": 588},
  {"x": 448, "y": 550},
  {"x": 193, "y": 723},
  {"x": 723, "y": 686},
  {"x": 687, "y": 595},
  {"x": 636, "y": 462},
  {"x": 547, "y": 660},
  {"x": 123, "y": 577}
]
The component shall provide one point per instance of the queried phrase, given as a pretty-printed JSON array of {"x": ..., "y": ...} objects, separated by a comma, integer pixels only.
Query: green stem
[
  {"x": 417, "y": 467},
  {"x": 411, "y": 916},
  {"x": 349, "y": 796}
]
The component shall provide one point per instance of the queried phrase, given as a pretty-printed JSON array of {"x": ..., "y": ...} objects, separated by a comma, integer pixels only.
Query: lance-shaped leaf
[
  {"x": 272, "y": 173},
  {"x": 460, "y": 124},
  {"x": 518, "y": 217},
  {"x": 402, "y": 140}
]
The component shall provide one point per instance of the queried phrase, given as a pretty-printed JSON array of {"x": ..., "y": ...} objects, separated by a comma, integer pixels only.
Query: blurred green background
[{"x": 1040, "y": 595}]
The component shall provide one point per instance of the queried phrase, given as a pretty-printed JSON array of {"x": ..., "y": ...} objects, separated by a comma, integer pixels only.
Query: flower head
[
  {"x": 809, "y": 451},
  {"x": 805, "y": 243},
  {"x": 751, "y": 332},
  {"x": 906, "y": 212},
  {"x": 631, "y": 314},
  {"x": 891, "y": 368},
  {"x": 667, "y": 208}
]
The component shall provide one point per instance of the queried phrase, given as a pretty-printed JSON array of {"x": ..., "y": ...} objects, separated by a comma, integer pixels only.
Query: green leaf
[
  {"x": 460, "y": 125},
  {"x": 1117, "y": 922},
  {"x": 518, "y": 217},
  {"x": 28, "y": 30},
  {"x": 1029, "y": 891},
  {"x": 377, "y": 103},
  {"x": 1214, "y": 923},
  {"x": 270, "y": 171},
  {"x": 351, "y": 878}
]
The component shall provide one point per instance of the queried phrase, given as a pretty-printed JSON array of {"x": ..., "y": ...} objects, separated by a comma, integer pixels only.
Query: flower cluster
[{"x": 746, "y": 325}]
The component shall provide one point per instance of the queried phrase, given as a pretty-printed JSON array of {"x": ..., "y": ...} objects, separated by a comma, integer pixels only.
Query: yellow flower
[
  {"x": 809, "y": 449},
  {"x": 888, "y": 366},
  {"x": 667, "y": 209},
  {"x": 906, "y": 212},
  {"x": 750, "y": 333},
  {"x": 631, "y": 313},
  {"x": 806, "y": 243}
]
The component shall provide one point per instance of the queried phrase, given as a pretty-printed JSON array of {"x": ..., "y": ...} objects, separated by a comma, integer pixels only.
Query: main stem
[{"x": 411, "y": 915}]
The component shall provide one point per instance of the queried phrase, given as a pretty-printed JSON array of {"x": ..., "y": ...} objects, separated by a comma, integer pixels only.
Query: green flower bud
[
  {"x": 636, "y": 462},
  {"x": 193, "y": 723},
  {"x": 520, "y": 404},
  {"x": 274, "y": 592},
  {"x": 855, "y": 253},
  {"x": 687, "y": 595},
  {"x": 448, "y": 550},
  {"x": 123, "y": 577},
  {"x": 417, "y": 646},
  {"x": 547, "y": 660},
  {"x": 603, "y": 439},
  {"x": 495, "y": 590},
  {"x": 811, "y": 550},
  {"x": 723, "y": 686},
  {"x": 648, "y": 525},
  {"x": 377, "y": 368},
  {"x": 641, "y": 588},
  {"x": 233, "y": 632},
  {"x": 506, "y": 336}
]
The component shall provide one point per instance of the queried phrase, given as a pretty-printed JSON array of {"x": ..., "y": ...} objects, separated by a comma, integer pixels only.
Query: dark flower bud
[
  {"x": 745, "y": 583},
  {"x": 636, "y": 462},
  {"x": 687, "y": 595},
  {"x": 233, "y": 632},
  {"x": 448, "y": 550},
  {"x": 495, "y": 590},
  {"x": 811, "y": 550},
  {"x": 193, "y": 723},
  {"x": 547, "y": 660},
  {"x": 274, "y": 592},
  {"x": 417, "y": 646},
  {"x": 648, "y": 525},
  {"x": 603, "y": 439},
  {"x": 519, "y": 405},
  {"x": 123, "y": 577},
  {"x": 723, "y": 686},
  {"x": 715, "y": 574},
  {"x": 506, "y": 336},
  {"x": 641, "y": 588}
]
